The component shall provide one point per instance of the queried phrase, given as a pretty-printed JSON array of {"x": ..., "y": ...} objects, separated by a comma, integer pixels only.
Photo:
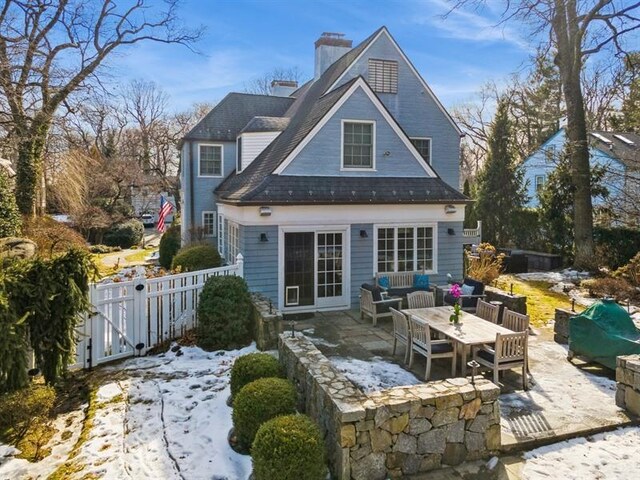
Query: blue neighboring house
[
  {"x": 617, "y": 152},
  {"x": 323, "y": 185}
]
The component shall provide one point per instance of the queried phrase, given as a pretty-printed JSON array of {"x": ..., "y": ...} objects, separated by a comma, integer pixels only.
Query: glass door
[
  {"x": 330, "y": 268},
  {"x": 299, "y": 273}
]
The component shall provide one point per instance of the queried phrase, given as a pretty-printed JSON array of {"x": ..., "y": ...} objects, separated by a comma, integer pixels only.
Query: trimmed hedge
[
  {"x": 24, "y": 410},
  {"x": 251, "y": 367},
  {"x": 225, "y": 314},
  {"x": 169, "y": 246},
  {"x": 259, "y": 401},
  {"x": 289, "y": 447},
  {"x": 196, "y": 257},
  {"x": 616, "y": 246},
  {"x": 125, "y": 234}
]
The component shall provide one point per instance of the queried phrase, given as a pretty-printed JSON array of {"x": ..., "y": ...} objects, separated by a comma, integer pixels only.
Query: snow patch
[
  {"x": 374, "y": 375},
  {"x": 567, "y": 275}
]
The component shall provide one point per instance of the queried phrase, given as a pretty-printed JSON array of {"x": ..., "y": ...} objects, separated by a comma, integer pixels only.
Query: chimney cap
[
  {"x": 334, "y": 40},
  {"x": 284, "y": 83}
]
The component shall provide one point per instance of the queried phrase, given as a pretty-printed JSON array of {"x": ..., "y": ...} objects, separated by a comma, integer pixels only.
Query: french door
[{"x": 314, "y": 269}]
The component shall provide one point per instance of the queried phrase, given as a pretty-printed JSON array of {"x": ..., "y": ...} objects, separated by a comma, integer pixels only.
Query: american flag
[{"x": 165, "y": 209}]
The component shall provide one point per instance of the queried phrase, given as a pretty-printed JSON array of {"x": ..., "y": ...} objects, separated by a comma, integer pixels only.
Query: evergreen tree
[
  {"x": 10, "y": 220},
  {"x": 500, "y": 188},
  {"x": 629, "y": 118},
  {"x": 470, "y": 219}
]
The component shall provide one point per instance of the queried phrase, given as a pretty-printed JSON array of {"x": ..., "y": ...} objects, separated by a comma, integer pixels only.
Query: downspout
[{"x": 191, "y": 188}]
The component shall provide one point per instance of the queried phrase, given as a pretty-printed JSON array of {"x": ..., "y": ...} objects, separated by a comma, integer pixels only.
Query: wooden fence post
[
  {"x": 140, "y": 316},
  {"x": 240, "y": 265}
]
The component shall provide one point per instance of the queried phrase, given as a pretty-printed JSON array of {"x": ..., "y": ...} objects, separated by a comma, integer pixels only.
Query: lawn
[{"x": 541, "y": 302}]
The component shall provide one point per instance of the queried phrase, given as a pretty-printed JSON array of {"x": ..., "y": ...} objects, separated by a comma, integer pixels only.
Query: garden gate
[{"x": 130, "y": 317}]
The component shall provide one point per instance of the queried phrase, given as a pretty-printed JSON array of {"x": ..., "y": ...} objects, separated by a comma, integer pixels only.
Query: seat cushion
[
  {"x": 441, "y": 348},
  {"x": 489, "y": 357},
  {"x": 376, "y": 292},
  {"x": 421, "y": 281},
  {"x": 400, "y": 292},
  {"x": 383, "y": 282},
  {"x": 478, "y": 287}
]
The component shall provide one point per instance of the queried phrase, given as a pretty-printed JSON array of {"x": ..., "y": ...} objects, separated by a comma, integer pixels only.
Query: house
[
  {"x": 617, "y": 152},
  {"x": 321, "y": 186}
]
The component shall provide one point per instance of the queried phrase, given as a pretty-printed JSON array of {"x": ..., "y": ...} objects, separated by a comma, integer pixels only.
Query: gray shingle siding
[
  {"x": 361, "y": 259},
  {"x": 322, "y": 155},
  {"x": 415, "y": 110},
  {"x": 261, "y": 259},
  {"x": 450, "y": 253}
]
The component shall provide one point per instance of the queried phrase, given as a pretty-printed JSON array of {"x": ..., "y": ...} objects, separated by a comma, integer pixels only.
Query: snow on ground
[
  {"x": 611, "y": 455},
  {"x": 567, "y": 276},
  {"x": 167, "y": 420},
  {"x": 374, "y": 375}
]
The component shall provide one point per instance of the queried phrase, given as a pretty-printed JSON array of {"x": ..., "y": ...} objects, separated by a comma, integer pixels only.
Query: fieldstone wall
[
  {"x": 268, "y": 322},
  {"x": 561, "y": 325},
  {"x": 515, "y": 303},
  {"x": 395, "y": 432},
  {"x": 628, "y": 382}
]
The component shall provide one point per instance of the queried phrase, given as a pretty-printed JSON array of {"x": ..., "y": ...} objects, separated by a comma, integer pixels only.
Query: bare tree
[
  {"x": 262, "y": 85},
  {"x": 575, "y": 30},
  {"x": 50, "y": 49}
]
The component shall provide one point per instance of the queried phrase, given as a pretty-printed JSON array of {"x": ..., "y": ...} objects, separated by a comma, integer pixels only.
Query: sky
[{"x": 244, "y": 39}]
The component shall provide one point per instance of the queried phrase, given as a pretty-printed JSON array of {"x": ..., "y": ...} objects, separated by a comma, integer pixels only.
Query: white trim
[
  {"x": 415, "y": 226},
  {"x": 215, "y": 222},
  {"x": 372, "y": 168},
  {"x": 200, "y": 145},
  {"x": 430, "y": 147},
  {"x": 221, "y": 236},
  {"x": 411, "y": 67},
  {"x": 359, "y": 83}
]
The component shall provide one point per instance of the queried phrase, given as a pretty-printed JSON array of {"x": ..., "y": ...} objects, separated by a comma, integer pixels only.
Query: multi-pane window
[
  {"x": 210, "y": 160},
  {"x": 404, "y": 249},
  {"x": 233, "y": 241},
  {"x": 423, "y": 145},
  {"x": 357, "y": 144},
  {"x": 539, "y": 182},
  {"x": 209, "y": 224},
  {"x": 383, "y": 75}
]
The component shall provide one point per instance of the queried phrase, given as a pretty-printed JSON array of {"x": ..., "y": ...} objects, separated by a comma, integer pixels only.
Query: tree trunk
[{"x": 29, "y": 169}]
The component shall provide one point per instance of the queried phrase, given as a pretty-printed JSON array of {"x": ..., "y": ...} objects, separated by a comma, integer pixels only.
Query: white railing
[
  {"x": 131, "y": 317},
  {"x": 473, "y": 232}
]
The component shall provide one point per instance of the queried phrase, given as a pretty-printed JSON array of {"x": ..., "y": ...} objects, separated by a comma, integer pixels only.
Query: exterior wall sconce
[
  {"x": 363, "y": 234},
  {"x": 450, "y": 209},
  {"x": 265, "y": 211},
  {"x": 451, "y": 231},
  {"x": 263, "y": 237}
]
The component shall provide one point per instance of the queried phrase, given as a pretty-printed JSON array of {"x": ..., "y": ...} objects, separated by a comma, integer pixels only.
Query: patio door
[
  {"x": 299, "y": 273},
  {"x": 330, "y": 289}
]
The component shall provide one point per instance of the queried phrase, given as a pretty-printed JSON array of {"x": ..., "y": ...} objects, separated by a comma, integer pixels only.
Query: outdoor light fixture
[
  {"x": 263, "y": 237},
  {"x": 363, "y": 234},
  {"x": 450, "y": 209},
  {"x": 474, "y": 366},
  {"x": 451, "y": 231},
  {"x": 265, "y": 211}
]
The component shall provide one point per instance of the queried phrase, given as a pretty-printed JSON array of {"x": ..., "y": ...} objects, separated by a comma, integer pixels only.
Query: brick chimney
[
  {"x": 283, "y": 88},
  {"x": 329, "y": 48}
]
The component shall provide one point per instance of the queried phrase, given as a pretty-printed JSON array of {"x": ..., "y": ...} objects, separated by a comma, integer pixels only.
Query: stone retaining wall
[
  {"x": 395, "y": 432},
  {"x": 628, "y": 382},
  {"x": 268, "y": 322},
  {"x": 515, "y": 303}
]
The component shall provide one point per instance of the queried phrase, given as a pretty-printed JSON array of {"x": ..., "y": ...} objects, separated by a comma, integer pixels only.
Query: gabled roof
[
  {"x": 225, "y": 121},
  {"x": 266, "y": 124},
  {"x": 624, "y": 146}
]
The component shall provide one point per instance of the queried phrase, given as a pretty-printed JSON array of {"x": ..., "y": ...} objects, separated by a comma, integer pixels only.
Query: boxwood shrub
[
  {"x": 253, "y": 366},
  {"x": 259, "y": 401},
  {"x": 289, "y": 447},
  {"x": 196, "y": 257},
  {"x": 225, "y": 314},
  {"x": 169, "y": 245},
  {"x": 125, "y": 234}
]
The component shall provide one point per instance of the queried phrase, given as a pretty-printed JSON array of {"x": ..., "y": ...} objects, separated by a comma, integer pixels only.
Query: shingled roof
[
  {"x": 266, "y": 124},
  {"x": 624, "y": 146},
  {"x": 225, "y": 121}
]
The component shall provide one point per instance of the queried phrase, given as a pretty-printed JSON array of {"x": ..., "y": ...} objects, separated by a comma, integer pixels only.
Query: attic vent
[
  {"x": 602, "y": 138},
  {"x": 383, "y": 75},
  {"x": 624, "y": 139}
]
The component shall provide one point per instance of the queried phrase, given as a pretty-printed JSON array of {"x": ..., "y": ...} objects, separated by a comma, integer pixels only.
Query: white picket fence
[{"x": 128, "y": 318}]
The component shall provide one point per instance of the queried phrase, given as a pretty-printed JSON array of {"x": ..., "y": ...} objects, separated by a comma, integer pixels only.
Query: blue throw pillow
[
  {"x": 467, "y": 289},
  {"x": 383, "y": 282},
  {"x": 421, "y": 282}
]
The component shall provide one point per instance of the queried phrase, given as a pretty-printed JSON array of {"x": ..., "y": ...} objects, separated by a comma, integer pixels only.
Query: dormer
[{"x": 255, "y": 137}]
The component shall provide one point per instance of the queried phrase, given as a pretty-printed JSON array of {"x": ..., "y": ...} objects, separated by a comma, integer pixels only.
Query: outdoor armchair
[{"x": 373, "y": 305}]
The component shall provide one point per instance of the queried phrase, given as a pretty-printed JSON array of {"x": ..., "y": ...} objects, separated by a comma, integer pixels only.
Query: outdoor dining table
[{"x": 469, "y": 332}]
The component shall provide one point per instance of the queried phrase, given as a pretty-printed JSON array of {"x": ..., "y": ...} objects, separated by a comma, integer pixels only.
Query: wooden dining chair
[
  {"x": 487, "y": 311},
  {"x": 422, "y": 344},
  {"x": 421, "y": 299},
  {"x": 514, "y": 321},
  {"x": 401, "y": 332},
  {"x": 511, "y": 351}
]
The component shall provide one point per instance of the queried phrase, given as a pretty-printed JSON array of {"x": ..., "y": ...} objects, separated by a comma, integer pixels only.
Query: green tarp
[{"x": 602, "y": 332}]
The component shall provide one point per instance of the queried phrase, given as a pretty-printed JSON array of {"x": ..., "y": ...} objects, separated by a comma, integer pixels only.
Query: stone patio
[{"x": 564, "y": 400}]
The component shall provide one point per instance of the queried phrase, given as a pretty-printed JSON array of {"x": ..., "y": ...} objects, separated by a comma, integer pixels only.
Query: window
[
  {"x": 423, "y": 145},
  {"x": 404, "y": 249},
  {"x": 210, "y": 161},
  {"x": 539, "y": 182},
  {"x": 357, "y": 144},
  {"x": 233, "y": 241},
  {"x": 383, "y": 75},
  {"x": 209, "y": 224}
]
